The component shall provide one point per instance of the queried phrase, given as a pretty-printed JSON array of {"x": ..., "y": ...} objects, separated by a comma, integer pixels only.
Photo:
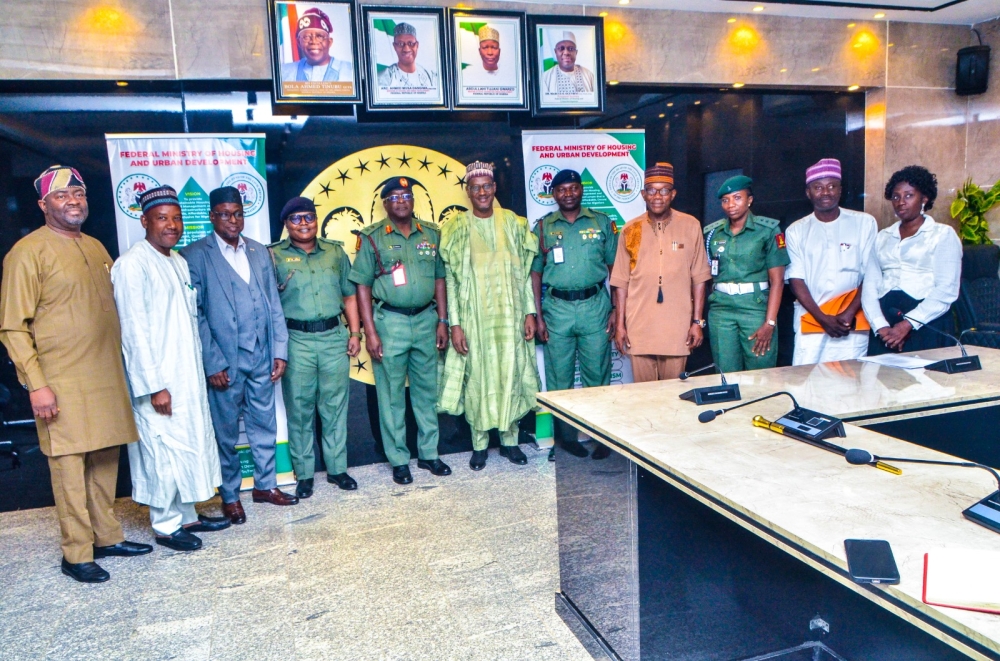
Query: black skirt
[{"x": 896, "y": 303}]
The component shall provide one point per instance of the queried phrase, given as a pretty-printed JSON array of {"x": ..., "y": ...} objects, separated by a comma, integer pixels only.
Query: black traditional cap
[
  {"x": 396, "y": 183},
  {"x": 154, "y": 197},
  {"x": 566, "y": 177},
  {"x": 224, "y": 195},
  {"x": 296, "y": 205}
]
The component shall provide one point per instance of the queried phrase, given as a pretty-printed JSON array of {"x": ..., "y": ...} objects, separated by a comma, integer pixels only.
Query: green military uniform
[
  {"x": 406, "y": 322},
  {"x": 573, "y": 259},
  {"x": 312, "y": 287},
  {"x": 732, "y": 318}
]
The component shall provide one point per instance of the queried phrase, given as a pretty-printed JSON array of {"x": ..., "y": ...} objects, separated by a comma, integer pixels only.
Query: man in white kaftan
[{"x": 175, "y": 463}]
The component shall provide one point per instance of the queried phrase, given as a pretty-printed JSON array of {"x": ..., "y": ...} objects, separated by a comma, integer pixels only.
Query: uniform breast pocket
[{"x": 425, "y": 264}]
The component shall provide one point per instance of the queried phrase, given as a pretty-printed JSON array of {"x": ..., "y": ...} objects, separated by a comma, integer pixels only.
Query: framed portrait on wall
[
  {"x": 567, "y": 60},
  {"x": 406, "y": 58},
  {"x": 314, "y": 51},
  {"x": 488, "y": 59}
]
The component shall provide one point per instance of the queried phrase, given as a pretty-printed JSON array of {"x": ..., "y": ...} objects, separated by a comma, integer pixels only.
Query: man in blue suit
[{"x": 244, "y": 347}]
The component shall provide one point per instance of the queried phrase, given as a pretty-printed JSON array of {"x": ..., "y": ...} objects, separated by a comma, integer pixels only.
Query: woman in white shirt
[{"x": 913, "y": 275}]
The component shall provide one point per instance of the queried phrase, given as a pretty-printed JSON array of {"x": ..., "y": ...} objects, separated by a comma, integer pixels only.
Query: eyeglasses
[
  {"x": 403, "y": 45},
  {"x": 401, "y": 197},
  {"x": 311, "y": 38},
  {"x": 662, "y": 192},
  {"x": 485, "y": 188},
  {"x": 225, "y": 216},
  {"x": 299, "y": 218}
]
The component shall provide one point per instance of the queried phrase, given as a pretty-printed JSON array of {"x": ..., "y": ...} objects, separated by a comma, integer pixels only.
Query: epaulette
[
  {"x": 719, "y": 224},
  {"x": 330, "y": 241},
  {"x": 767, "y": 222},
  {"x": 276, "y": 243},
  {"x": 368, "y": 229}
]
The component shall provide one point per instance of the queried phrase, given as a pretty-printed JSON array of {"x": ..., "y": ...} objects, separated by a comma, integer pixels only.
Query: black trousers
[{"x": 896, "y": 303}]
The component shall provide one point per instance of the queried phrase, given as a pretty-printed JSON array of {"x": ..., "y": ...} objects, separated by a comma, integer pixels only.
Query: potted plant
[{"x": 970, "y": 207}]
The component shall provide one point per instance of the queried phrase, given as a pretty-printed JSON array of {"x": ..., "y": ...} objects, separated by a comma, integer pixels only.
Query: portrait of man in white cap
[
  {"x": 406, "y": 73},
  {"x": 567, "y": 77},
  {"x": 489, "y": 69}
]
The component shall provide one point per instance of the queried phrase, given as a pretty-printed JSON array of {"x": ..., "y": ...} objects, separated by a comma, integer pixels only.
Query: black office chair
[{"x": 977, "y": 309}]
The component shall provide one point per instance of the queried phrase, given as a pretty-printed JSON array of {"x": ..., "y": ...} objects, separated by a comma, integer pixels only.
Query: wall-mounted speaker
[{"x": 972, "y": 76}]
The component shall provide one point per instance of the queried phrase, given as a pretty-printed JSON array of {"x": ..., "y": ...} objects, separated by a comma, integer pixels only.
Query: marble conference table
[{"x": 723, "y": 541}]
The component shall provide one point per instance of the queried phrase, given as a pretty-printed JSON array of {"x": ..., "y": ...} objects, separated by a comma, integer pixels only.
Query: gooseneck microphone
[
  {"x": 965, "y": 363},
  {"x": 864, "y": 457},
  {"x": 709, "y": 416},
  {"x": 685, "y": 375},
  {"x": 924, "y": 324}
]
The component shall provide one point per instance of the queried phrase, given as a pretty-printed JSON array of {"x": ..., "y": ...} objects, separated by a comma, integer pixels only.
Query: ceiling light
[
  {"x": 697, "y": 103},
  {"x": 851, "y": 25},
  {"x": 603, "y": 14},
  {"x": 881, "y": 14},
  {"x": 632, "y": 117},
  {"x": 670, "y": 105},
  {"x": 623, "y": 2},
  {"x": 121, "y": 83},
  {"x": 662, "y": 115},
  {"x": 612, "y": 82},
  {"x": 738, "y": 85},
  {"x": 853, "y": 88},
  {"x": 732, "y": 20},
  {"x": 628, "y": 126},
  {"x": 759, "y": 8}
]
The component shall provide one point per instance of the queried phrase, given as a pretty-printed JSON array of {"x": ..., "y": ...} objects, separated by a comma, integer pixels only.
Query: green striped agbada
[{"x": 487, "y": 271}]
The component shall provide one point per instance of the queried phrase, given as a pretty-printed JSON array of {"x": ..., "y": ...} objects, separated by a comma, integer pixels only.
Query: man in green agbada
[{"x": 490, "y": 371}]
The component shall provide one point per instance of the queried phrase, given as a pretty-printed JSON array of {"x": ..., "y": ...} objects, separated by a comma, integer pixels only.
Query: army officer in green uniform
[
  {"x": 576, "y": 248},
  {"x": 312, "y": 283},
  {"x": 400, "y": 277},
  {"x": 748, "y": 259}
]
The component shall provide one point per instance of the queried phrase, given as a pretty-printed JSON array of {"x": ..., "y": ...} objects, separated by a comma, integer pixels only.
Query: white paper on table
[
  {"x": 961, "y": 578},
  {"x": 902, "y": 362}
]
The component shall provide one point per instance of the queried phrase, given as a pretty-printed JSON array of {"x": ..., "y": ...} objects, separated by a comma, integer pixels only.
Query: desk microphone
[
  {"x": 709, "y": 416},
  {"x": 727, "y": 392},
  {"x": 966, "y": 363},
  {"x": 986, "y": 512}
]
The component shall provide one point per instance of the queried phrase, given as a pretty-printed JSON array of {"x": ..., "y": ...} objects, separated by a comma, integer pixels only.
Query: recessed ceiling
[{"x": 962, "y": 12}]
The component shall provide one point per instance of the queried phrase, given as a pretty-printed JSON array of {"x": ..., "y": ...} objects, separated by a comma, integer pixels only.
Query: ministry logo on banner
[
  {"x": 251, "y": 190},
  {"x": 623, "y": 183},
  {"x": 540, "y": 184},
  {"x": 128, "y": 192}
]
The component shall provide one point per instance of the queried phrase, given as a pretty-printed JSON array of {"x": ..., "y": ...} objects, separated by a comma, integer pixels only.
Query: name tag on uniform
[
  {"x": 715, "y": 267},
  {"x": 557, "y": 255},
  {"x": 399, "y": 275}
]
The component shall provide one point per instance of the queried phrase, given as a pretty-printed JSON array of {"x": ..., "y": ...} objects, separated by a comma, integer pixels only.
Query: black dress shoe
[
  {"x": 342, "y": 480},
  {"x": 514, "y": 454},
  {"x": 85, "y": 572},
  {"x": 209, "y": 524},
  {"x": 478, "y": 460},
  {"x": 304, "y": 488},
  {"x": 122, "y": 549},
  {"x": 401, "y": 475},
  {"x": 435, "y": 466},
  {"x": 552, "y": 453},
  {"x": 601, "y": 451},
  {"x": 179, "y": 540},
  {"x": 575, "y": 448}
]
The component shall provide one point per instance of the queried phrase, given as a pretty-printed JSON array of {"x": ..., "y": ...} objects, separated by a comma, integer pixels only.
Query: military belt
[
  {"x": 575, "y": 294},
  {"x": 409, "y": 312},
  {"x": 312, "y": 326},
  {"x": 736, "y": 288}
]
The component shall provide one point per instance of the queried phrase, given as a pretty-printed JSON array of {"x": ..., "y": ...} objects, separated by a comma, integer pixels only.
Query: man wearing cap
[
  {"x": 748, "y": 258},
  {"x": 312, "y": 35},
  {"x": 59, "y": 324},
  {"x": 659, "y": 278},
  {"x": 567, "y": 77},
  {"x": 406, "y": 73},
  {"x": 312, "y": 282},
  {"x": 487, "y": 72},
  {"x": 828, "y": 250},
  {"x": 401, "y": 292},
  {"x": 175, "y": 464},
  {"x": 490, "y": 371},
  {"x": 244, "y": 345},
  {"x": 576, "y": 250}
]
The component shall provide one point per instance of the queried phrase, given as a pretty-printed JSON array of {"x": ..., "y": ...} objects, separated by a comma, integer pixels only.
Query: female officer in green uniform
[{"x": 748, "y": 259}]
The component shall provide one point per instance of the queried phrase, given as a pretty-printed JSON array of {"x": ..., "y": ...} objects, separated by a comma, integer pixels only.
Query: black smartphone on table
[{"x": 871, "y": 561}]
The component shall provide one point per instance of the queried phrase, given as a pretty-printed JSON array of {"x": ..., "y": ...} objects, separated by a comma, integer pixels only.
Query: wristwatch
[
  {"x": 444, "y": 321},
  {"x": 771, "y": 322},
  {"x": 357, "y": 335},
  {"x": 701, "y": 322}
]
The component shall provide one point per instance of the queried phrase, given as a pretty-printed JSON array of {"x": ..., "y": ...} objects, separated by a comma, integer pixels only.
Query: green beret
[{"x": 737, "y": 183}]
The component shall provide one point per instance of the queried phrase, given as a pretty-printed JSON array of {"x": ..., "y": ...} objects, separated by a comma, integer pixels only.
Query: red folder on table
[{"x": 835, "y": 306}]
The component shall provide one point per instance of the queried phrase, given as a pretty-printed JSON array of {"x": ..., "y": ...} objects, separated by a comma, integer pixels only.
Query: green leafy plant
[{"x": 970, "y": 207}]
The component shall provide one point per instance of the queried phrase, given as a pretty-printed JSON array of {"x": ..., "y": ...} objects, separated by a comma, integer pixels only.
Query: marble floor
[{"x": 460, "y": 567}]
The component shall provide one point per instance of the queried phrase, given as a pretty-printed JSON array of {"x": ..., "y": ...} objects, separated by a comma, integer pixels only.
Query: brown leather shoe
[
  {"x": 275, "y": 497},
  {"x": 234, "y": 512}
]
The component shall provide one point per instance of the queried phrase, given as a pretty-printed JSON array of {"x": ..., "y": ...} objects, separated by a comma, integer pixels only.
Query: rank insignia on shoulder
[
  {"x": 614, "y": 227},
  {"x": 357, "y": 246},
  {"x": 780, "y": 240}
]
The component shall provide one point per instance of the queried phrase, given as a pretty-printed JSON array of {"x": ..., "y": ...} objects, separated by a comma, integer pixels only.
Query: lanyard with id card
[
  {"x": 398, "y": 274},
  {"x": 557, "y": 255}
]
